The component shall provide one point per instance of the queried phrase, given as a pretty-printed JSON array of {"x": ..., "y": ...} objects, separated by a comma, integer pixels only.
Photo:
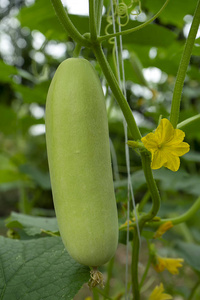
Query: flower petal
[
  {"x": 178, "y": 136},
  {"x": 172, "y": 265},
  {"x": 150, "y": 142},
  {"x": 179, "y": 149},
  {"x": 157, "y": 294},
  {"x": 165, "y": 131},
  {"x": 158, "y": 160},
  {"x": 172, "y": 161}
]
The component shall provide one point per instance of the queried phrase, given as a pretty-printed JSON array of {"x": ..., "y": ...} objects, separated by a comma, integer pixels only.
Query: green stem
[
  {"x": 188, "y": 121},
  {"x": 144, "y": 201},
  {"x": 77, "y": 50},
  {"x": 143, "y": 219},
  {"x": 146, "y": 162},
  {"x": 134, "y": 268},
  {"x": 109, "y": 276},
  {"x": 95, "y": 294},
  {"x": 184, "y": 217},
  {"x": 128, "y": 31},
  {"x": 117, "y": 92},
  {"x": 93, "y": 28},
  {"x": 185, "y": 59},
  {"x": 99, "y": 7},
  {"x": 67, "y": 23},
  {"x": 101, "y": 293},
  {"x": 145, "y": 272}
]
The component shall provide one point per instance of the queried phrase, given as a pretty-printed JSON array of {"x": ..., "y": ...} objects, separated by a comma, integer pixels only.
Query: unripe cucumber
[{"x": 80, "y": 165}]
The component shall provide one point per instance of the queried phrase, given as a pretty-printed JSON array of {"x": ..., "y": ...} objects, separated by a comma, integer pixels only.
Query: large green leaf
[
  {"x": 168, "y": 181},
  {"x": 153, "y": 35},
  {"x": 41, "y": 15},
  {"x": 38, "y": 269},
  {"x": 37, "y": 94},
  {"x": 30, "y": 224},
  {"x": 174, "y": 11}
]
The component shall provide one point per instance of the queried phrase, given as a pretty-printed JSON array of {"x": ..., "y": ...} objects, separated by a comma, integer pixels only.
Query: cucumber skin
[{"x": 79, "y": 161}]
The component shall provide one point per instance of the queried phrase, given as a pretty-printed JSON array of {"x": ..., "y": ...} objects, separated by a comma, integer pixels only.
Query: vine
[{"x": 93, "y": 40}]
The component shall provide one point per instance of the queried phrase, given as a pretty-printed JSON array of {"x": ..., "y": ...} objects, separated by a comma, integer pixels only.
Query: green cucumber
[{"x": 80, "y": 165}]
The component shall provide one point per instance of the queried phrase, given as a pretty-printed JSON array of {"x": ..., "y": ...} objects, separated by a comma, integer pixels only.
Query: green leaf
[
  {"x": 33, "y": 95},
  {"x": 42, "y": 179},
  {"x": 178, "y": 181},
  {"x": 7, "y": 72},
  {"x": 174, "y": 11},
  {"x": 39, "y": 269},
  {"x": 168, "y": 181},
  {"x": 30, "y": 224},
  {"x": 7, "y": 176},
  {"x": 39, "y": 16},
  {"x": 153, "y": 35},
  {"x": 190, "y": 253},
  {"x": 6, "y": 163},
  {"x": 8, "y": 120}
]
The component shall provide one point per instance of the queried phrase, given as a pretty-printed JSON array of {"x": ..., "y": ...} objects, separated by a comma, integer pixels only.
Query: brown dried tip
[{"x": 96, "y": 278}]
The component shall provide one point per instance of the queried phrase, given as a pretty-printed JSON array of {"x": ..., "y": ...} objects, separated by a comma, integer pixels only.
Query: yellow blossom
[
  {"x": 162, "y": 229},
  {"x": 158, "y": 294},
  {"x": 171, "y": 264},
  {"x": 88, "y": 298},
  {"x": 166, "y": 145}
]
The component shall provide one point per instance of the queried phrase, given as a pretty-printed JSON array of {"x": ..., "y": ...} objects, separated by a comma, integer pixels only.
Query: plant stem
[
  {"x": 67, "y": 23},
  {"x": 134, "y": 268},
  {"x": 146, "y": 162},
  {"x": 185, "y": 59},
  {"x": 99, "y": 6},
  {"x": 180, "y": 219},
  {"x": 144, "y": 201},
  {"x": 101, "y": 293},
  {"x": 117, "y": 92},
  {"x": 188, "y": 121},
  {"x": 145, "y": 272},
  {"x": 77, "y": 50},
  {"x": 128, "y": 31},
  {"x": 95, "y": 294},
  {"x": 92, "y": 18},
  {"x": 184, "y": 217},
  {"x": 109, "y": 275}
]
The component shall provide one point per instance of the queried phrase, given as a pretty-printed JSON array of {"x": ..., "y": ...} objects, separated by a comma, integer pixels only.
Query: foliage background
[{"x": 32, "y": 44}]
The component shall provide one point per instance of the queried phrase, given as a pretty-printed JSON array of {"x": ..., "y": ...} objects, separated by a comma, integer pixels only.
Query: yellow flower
[
  {"x": 158, "y": 294},
  {"x": 162, "y": 229},
  {"x": 171, "y": 264},
  {"x": 166, "y": 145}
]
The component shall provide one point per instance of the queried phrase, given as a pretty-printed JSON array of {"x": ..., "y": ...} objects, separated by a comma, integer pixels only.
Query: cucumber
[{"x": 79, "y": 162}]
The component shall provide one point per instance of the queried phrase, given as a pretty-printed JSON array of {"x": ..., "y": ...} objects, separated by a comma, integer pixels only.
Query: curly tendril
[{"x": 122, "y": 12}]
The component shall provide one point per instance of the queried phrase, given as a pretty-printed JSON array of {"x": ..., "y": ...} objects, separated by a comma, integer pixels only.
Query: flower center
[{"x": 160, "y": 146}]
